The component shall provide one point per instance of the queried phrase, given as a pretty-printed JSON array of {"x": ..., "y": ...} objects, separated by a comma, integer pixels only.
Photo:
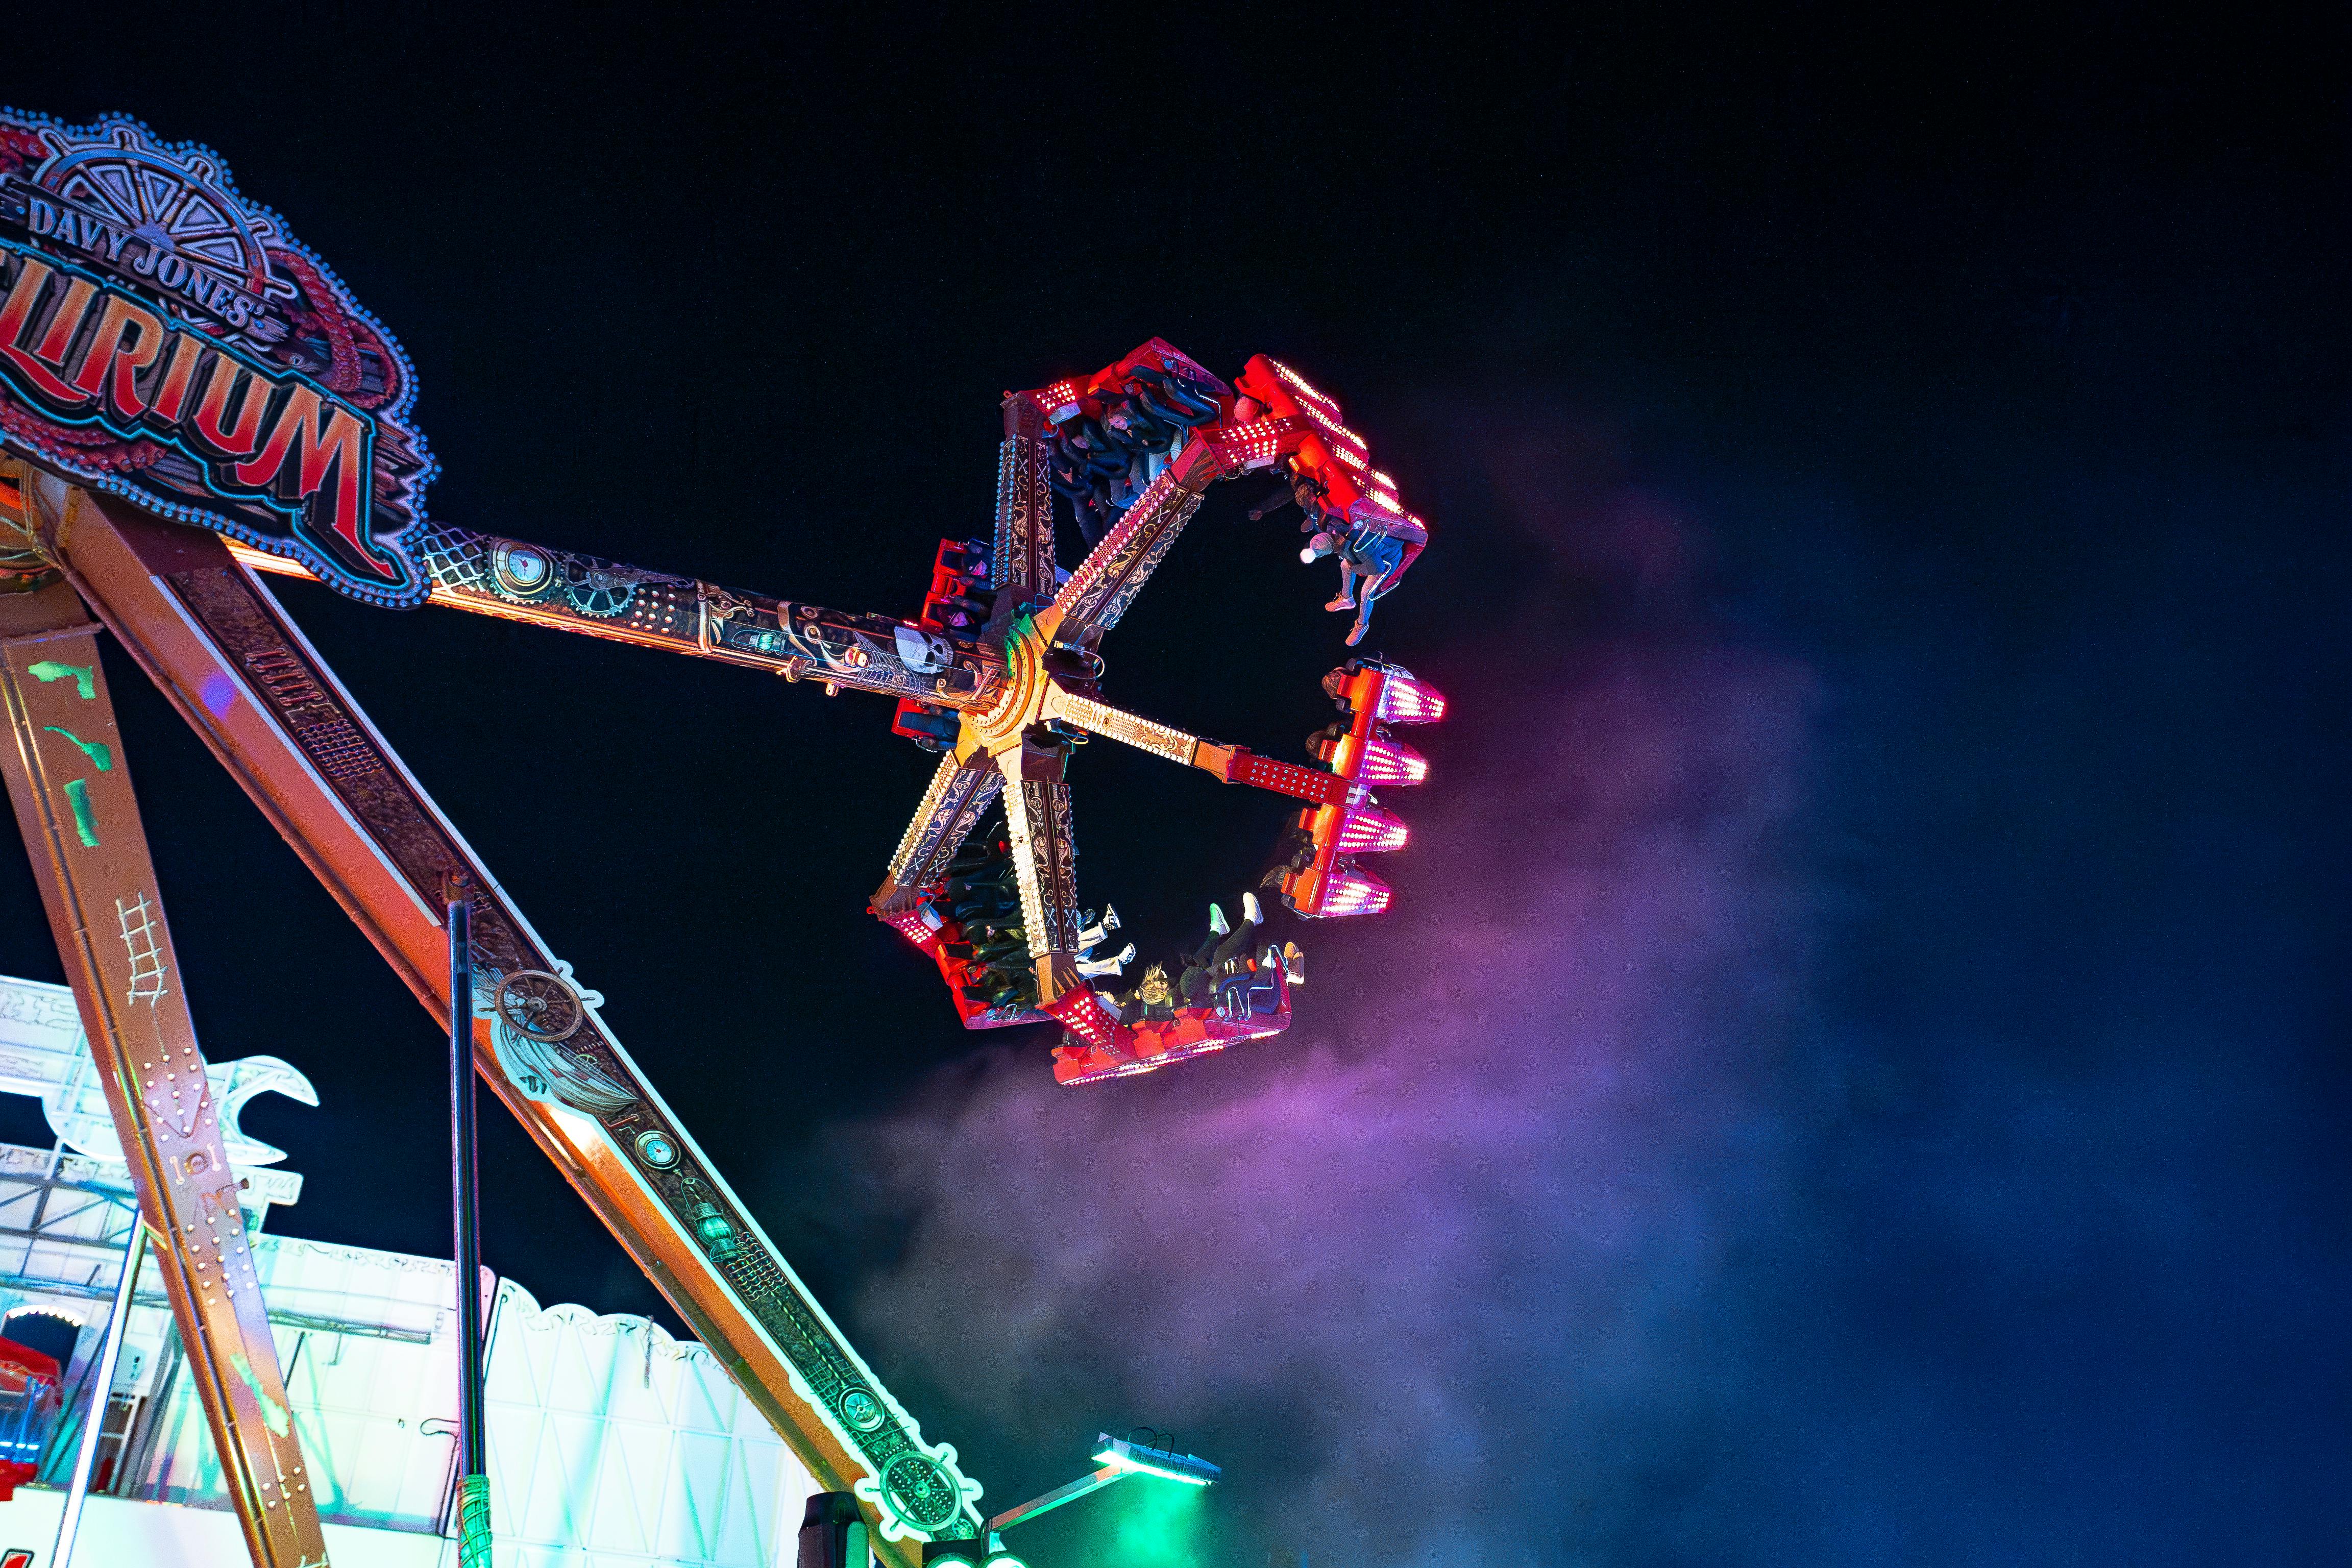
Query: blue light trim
[{"x": 394, "y": 544}]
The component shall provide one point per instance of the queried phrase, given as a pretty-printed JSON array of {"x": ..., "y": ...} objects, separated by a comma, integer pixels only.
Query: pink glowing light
[
  {"x": 1388, "y": 762},
  {"x": 1406, "y": 698},
  {"x": 1349, "y": 889},
  {"x": 1369, "y": 830}
]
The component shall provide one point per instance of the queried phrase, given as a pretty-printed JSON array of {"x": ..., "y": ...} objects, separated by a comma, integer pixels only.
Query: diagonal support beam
[
  {"x": 69, "y": 782},
  {"x": 1037, "y": 816},
  {"x": 252, "y": 688},
  {"x": 1108, "y": 581},
  {"x": 951, "y": 807},
  {"x": 1024, "y": 565}
]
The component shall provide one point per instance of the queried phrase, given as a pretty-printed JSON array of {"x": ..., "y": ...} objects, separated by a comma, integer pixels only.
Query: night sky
[{"x": 1857, "y": 1072}]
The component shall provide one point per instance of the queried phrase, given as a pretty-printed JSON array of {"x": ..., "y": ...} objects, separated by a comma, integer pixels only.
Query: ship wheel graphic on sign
[{"x": 173, "y": 205}]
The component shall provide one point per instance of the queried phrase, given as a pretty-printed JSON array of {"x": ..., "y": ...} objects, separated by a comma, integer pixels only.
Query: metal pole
[
  {"x": 473, "y": 1482},
  {"x": 1083, "y": 1486},
  {"x": 101, "y": 1389}
]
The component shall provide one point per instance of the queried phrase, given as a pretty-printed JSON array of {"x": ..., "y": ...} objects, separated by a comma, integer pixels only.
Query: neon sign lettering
[{"x": 163, "y": 339}]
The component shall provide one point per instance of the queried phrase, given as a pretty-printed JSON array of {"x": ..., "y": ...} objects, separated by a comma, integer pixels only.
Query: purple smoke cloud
[{"x": 1424, "y": 1272}]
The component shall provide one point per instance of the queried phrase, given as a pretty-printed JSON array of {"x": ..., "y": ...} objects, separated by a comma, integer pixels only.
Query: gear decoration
[
  {"x": 919, "y": 1492},
  {"x": 597, "y": 591},
  {"x": 927, "y": 1494}
]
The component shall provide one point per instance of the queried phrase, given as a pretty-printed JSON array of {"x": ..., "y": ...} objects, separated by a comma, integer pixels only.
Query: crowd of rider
[{"x": 982, "y": 895}]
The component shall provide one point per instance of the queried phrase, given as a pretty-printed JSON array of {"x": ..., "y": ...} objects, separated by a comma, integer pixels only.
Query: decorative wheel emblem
[
  {"x": 540, "y": 1006},
  {"x": 919, "y": 1492},
  {"x": 861, "y": 1410}
]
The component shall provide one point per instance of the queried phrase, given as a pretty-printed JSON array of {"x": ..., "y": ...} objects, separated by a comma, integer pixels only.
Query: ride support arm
[
  {"x": 1038, "y": 819},
  {"x": 1233, "y": 764},
  {"x": 951, "y": 808},
  {"x": 490, "y": 575}
]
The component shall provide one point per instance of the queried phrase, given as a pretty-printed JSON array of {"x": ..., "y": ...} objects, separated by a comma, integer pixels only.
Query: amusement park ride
[{"x": 189, "y": 399}]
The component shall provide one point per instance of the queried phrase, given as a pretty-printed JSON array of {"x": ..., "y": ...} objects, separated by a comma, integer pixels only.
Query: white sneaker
[
  {"x": 1217, "y": 920},
  {"x": 1250, "y": 911},
  {"x": 1097, "y": 968}
]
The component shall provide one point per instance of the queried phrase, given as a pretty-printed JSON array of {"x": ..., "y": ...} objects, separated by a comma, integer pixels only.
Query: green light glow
[
  {"x": 995, "y": 1560},
  {"x": 1156, "y": 1526},
  {"x": 274, "y": 1415}
]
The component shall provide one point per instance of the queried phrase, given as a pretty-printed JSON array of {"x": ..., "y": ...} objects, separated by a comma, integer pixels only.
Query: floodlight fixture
[
  {"x": 1116, "y": 1459},
  {"x": 1135, "y": 1459}
]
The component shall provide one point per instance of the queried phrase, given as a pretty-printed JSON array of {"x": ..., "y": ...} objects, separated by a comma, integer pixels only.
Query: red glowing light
[{"x": 1298, "y": 383}]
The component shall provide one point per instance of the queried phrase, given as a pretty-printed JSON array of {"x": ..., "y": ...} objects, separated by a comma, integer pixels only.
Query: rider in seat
[
  {"x": 1214, "y": 958},
  {"x": 1364, "y": 552}
]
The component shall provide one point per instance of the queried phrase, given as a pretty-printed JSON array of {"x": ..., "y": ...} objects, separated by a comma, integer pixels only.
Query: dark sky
[{"x": 1857, "y": 1074}]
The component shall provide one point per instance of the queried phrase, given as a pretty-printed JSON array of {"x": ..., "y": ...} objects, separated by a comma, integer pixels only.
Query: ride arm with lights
[
  {"x": 490, "y": 575},
  {"x": 1000, "y": 670},
  {"x": 951, "y": 808},
  {"x": 1022, "y": 551},
  {"x": 1285, "y": 423}
]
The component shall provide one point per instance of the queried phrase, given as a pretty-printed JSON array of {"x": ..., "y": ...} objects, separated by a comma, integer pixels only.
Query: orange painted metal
[
  {"x": 69, "y": 781},
  {"x": 219, "y": 647}
]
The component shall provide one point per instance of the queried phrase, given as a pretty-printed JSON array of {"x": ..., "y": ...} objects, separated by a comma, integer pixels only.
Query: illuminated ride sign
[{"x": 163, "y": 337}]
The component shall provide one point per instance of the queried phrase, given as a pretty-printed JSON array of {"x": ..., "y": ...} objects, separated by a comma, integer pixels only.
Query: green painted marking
[
  {"x": 273, "y": 1414},
  {"x": 85, "y": 676},
  {"x": 84, "y": 824},
  {"x": 98, "y": 751}
]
